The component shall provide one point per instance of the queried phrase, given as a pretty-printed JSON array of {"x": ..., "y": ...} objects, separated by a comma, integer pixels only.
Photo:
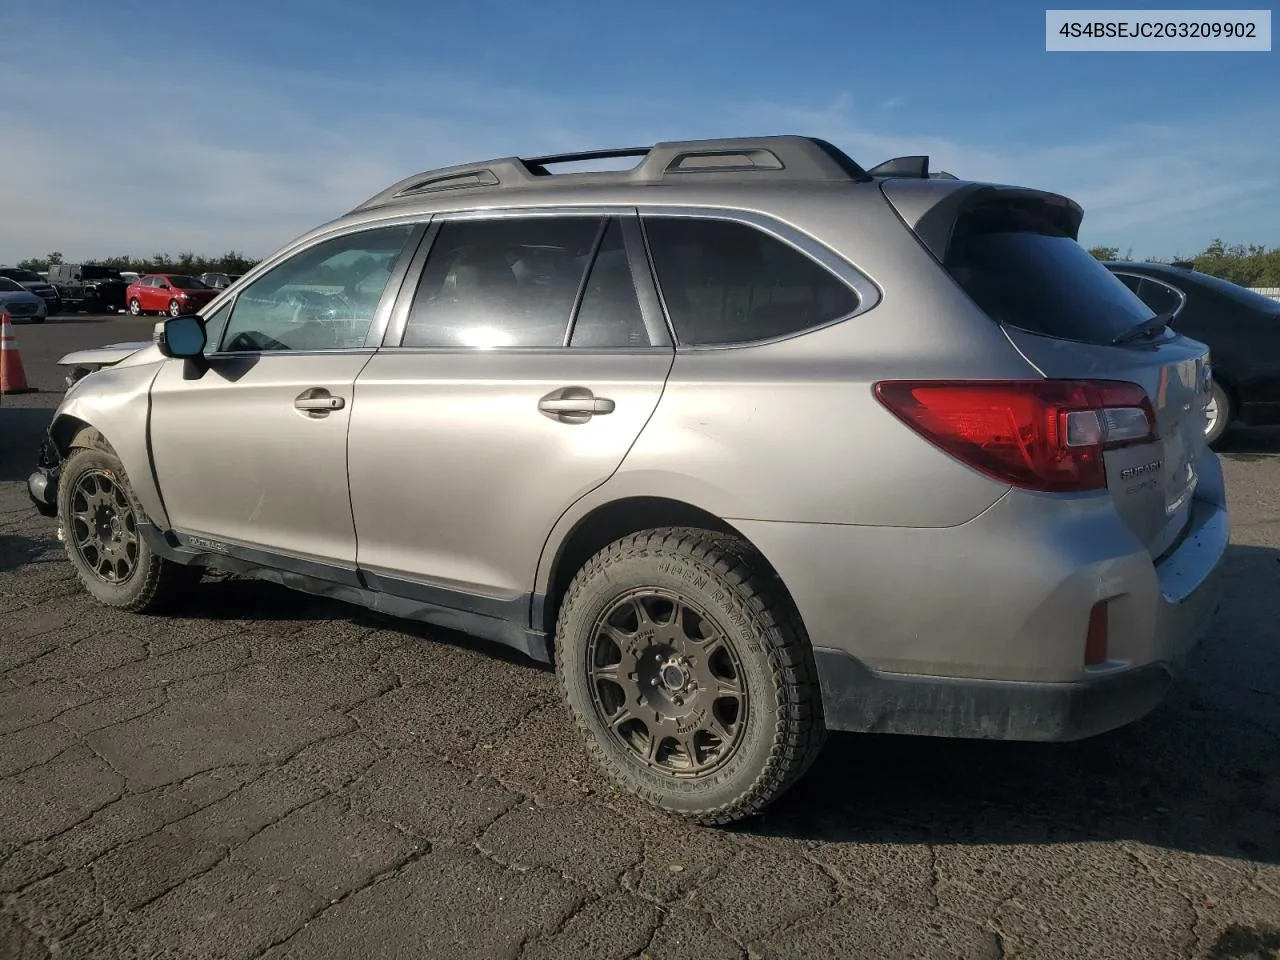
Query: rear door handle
[
  {"x": 574, "y": 405},
  {"x": 318, "y": 402}
]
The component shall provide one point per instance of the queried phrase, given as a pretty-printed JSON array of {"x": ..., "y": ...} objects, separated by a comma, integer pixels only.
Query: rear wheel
[
  {"x": 1217, "y": 415},
  {"x": 100, "y": 515},
  {"x": 686, "y": 666},
  {"x": 135, "y": 308}
]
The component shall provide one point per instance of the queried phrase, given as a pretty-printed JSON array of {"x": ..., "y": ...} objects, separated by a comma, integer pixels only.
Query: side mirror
[{"x": 181, "y": 337}]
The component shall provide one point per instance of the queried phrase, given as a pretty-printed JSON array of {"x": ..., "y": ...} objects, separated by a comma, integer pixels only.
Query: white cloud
[{"x": 206, "y": 156}]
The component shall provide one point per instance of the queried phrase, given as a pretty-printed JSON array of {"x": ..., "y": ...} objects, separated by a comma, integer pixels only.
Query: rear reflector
[
  {"x": 1046, "y": 435},
  {"x": 1095, "y": 641}
]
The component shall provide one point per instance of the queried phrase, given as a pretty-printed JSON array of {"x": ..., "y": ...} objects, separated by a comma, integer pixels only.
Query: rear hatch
[{"x": 1014, "y": 252}]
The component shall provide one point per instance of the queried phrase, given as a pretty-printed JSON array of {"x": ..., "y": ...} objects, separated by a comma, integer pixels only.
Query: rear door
[
  {"x": 512, "y": 383},
  {"x": 149, "y": 293},
  {"x": 1072, "y": 318}
]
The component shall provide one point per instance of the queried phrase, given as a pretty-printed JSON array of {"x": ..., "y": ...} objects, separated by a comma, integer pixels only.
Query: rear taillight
[{"x": 1046, "y": 435}]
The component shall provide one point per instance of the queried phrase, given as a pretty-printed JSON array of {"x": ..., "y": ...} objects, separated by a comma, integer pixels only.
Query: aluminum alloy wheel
[
  {"x": 104, "y": 530},
  {"x": 667, "y": 683},
  {"x": 135, "y": 308},
  {"x": 1211, "y": 414},
  {"x": 175, "y": 308}
]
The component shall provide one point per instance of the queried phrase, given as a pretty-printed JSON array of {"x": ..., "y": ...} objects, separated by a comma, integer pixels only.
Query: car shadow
[
  {"x": 225, "y": 597},
  {"x": 20, "y": 432},
  {"x": 17, "y": 550},
  {"x": 1250, "y": 443},
  {"x": 1200, "y": 774}
]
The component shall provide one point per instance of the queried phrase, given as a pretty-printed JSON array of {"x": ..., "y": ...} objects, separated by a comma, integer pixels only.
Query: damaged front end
[{"x": 42, "y": 485}]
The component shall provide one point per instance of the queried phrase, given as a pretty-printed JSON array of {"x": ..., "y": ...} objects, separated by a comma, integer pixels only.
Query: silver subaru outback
[{"x": 751, "y": 442}]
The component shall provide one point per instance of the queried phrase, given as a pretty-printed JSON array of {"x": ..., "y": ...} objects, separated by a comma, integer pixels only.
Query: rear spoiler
[{"x": 931, "y": 208}]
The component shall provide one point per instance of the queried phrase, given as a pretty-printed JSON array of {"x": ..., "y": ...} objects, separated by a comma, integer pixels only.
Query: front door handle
[
  {"x": 574, "y": 405},
  {"x": 318, "y": 402}
]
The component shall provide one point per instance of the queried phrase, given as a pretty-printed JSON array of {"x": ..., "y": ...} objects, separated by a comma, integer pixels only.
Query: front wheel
[
  {"x": 686, "y": 666},
  {"x": 1217, "y": 414},
  {"x": 100, "y": 514},
  {"x": 135, "y": 308},
  {"x": 175, "y": 308}
]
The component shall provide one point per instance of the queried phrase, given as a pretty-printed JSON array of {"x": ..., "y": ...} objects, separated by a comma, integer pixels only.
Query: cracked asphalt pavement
[{"x": 272, "y": 775}]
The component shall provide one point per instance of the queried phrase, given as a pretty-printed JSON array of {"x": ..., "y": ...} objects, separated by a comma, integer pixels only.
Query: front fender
[{"x": 116, "y": 401}]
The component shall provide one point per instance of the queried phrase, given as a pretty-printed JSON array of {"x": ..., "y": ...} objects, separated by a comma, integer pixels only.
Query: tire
[
  {"x": 152, "y": 582},
  {"x": 135, "y": 308},
  {"x": 175, "y": 308},
  {"x": 775, "y": 730},
  {"x": 1216, "y": 423}
]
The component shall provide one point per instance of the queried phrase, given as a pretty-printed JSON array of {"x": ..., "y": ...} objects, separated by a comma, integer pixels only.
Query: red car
[{"x": 171, "y": 293}]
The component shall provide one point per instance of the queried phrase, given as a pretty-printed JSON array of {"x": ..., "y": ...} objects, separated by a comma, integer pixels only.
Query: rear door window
[
  {"x": 725, "y": 282},
  {"x": 1028, "y": 275},
  {"x": 609, "y": 314},
  {"x": 506, "y": 282}
]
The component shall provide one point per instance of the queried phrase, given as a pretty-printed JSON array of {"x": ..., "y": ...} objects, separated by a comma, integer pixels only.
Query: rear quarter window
[
  {"x": 729, "y": 283},
  {"x": 1025, "y": 273}
]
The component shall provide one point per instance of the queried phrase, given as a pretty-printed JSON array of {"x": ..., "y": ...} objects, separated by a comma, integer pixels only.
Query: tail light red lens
[{"x": 1046, "y": 435}]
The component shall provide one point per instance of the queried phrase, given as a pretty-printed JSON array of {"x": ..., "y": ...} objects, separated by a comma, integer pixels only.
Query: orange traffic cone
[{"x": 13, "y": 379}]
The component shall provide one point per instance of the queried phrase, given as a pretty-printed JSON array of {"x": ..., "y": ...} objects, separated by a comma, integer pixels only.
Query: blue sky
[{"x": 131, "y": 127}]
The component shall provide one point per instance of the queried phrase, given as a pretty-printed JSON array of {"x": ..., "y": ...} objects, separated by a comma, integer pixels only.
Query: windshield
[
  {"x": 1042, "y": 282},
  {"x": 20, "y": 274},
  {"x": 186, "y": 283},
  {"x": 9, "y": 286}
]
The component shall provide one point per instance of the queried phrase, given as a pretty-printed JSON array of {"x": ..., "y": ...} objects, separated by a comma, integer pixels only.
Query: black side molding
[{"x": 455, "y": 611}]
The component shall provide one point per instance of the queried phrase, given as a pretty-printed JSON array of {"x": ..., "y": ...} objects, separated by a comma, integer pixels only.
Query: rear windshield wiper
[{"x": 1145, "y": 329}]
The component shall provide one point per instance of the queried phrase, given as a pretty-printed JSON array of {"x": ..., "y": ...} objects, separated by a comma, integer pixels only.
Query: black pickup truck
[{"x": 88, "y": 286}]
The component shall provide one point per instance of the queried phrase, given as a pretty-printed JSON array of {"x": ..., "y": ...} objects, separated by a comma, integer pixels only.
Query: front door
[
  {"x": 254, "y": 452},
  {"x": 526, "y": 370}
]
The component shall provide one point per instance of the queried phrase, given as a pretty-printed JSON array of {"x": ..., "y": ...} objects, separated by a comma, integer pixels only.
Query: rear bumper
[
  {"x": 855, "y": 698},
  {"x": 979, "y": 630}
]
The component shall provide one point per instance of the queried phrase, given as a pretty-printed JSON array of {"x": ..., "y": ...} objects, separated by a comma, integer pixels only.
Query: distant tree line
[
  {"x": 1248, "y": 265},
  {"x": 232, "y": 262}
]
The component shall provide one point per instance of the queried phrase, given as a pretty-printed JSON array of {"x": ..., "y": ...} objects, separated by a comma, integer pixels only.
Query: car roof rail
[{"x": 781, "y": 157}]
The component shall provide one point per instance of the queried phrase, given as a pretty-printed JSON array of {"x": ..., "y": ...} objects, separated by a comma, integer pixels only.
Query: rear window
[
  {"x": 1032, "y": 276},
  {"x": 1241, "y": 295}
]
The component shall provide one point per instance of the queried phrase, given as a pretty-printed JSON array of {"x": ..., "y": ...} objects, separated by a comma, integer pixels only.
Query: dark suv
[
  {"x": 30, "y": 280},
  {"x": 88, "y": 286}
]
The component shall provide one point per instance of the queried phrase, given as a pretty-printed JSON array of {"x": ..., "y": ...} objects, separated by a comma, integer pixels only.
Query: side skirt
[{"x": 396, "y": 598}]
